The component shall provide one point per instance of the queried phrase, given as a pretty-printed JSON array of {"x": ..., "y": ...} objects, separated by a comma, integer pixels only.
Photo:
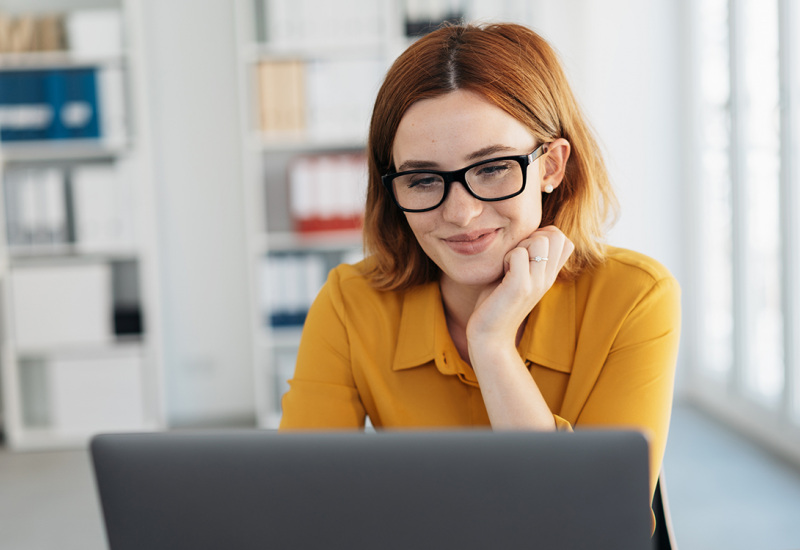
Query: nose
[{"x": 460, "y": 208}]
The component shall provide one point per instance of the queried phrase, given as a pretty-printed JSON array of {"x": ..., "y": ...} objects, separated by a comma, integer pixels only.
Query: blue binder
[
  {"x": 49, "y": 104},
  {"x": 25, "y": 110},
  {"x": 75, "y": 94}
]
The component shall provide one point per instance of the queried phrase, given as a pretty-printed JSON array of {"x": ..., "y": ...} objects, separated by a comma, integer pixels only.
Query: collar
[{"x": 548, "y": 339}]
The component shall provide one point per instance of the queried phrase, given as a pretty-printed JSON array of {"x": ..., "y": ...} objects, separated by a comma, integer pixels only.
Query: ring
[{"x": 538, "y": 259}]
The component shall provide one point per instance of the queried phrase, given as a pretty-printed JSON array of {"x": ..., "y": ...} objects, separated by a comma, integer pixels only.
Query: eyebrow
[{"x": 485, "y": 152}]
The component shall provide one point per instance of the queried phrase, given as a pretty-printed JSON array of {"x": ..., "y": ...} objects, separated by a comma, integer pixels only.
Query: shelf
[
  {"x": 282, "y": 337},
  {"x": 60, "y": 388},
  {"x": 315, "y": 105},
  {"x": 56, "y": 60},
  {"x": 60, "y": 254},
  {"x": 128, "y": 346},
  {"x": 256, "y": 52},
  {"x": 38, "y": 439},
  {"x": 290, "y": 241},
  {"x": 61, "y": 149},
  {"x": 270, "y": 421},
  {"x": 304, "y": 142}
]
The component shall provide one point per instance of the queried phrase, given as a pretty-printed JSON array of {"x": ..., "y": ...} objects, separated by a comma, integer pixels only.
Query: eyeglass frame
[{"x": 448, "y": 177}]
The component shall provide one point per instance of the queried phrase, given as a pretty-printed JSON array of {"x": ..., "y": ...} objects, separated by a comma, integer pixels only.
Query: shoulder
[
  {"x": 349, "y": 288},
  {"x": 352, "y": 279},
  {"x": 631, "y": 266},
  {"x": 628, "y": 277}
]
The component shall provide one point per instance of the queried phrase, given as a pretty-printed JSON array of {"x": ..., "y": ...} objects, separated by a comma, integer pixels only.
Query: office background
[{"x": 695, "y": 103}]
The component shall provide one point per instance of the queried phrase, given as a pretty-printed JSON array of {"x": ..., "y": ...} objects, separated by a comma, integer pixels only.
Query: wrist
[{"x": 491, "y": 350}]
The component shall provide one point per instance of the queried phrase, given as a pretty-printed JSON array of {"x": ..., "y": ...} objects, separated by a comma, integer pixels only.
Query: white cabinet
[
  {"x": 81, "y": 350},
  {"x": 60, "y": 305}
]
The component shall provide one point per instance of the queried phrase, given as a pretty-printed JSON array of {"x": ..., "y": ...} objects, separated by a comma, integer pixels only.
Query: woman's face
[{"x": 467, "y": 238}]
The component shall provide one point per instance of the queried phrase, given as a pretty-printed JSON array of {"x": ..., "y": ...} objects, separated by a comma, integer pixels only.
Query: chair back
[{"x": 664, "y": 537}]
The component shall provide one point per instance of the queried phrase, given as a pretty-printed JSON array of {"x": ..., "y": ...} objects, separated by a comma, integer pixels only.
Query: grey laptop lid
[{"x": 390, "y": 490}]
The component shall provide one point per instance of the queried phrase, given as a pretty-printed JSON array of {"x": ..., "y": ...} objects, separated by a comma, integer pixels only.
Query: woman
[{"x": 487, "y": 297}]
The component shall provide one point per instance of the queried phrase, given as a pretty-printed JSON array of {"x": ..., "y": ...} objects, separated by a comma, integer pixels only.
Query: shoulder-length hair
[{"x": 516, "y": 70}]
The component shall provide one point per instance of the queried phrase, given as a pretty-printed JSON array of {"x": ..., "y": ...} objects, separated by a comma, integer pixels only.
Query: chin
[{"x": 473, "y": 277}]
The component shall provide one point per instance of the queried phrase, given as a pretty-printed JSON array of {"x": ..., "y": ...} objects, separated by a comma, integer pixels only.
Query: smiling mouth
[
  {"x": 471, "y": 243},
  {"x": 468, "y": 238}
]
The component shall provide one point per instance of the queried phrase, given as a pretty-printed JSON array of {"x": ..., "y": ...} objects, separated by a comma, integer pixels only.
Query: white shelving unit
[
  {"x": 304, "y": 38},
  {"x": 335, "y": 55},
  {"x": 81, "y": 348}
]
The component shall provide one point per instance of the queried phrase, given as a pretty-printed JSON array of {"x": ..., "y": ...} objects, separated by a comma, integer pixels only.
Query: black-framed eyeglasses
[{"x": 494, "y": 179}]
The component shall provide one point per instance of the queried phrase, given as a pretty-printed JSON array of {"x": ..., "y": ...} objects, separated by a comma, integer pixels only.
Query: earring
[{"x": 548, "y": 188}]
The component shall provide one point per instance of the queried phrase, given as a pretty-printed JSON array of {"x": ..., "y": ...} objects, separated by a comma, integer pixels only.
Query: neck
[{"x": 459, "y": 302}]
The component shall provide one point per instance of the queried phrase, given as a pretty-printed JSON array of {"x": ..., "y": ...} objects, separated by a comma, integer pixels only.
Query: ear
[{"x": 553, "y": 164}]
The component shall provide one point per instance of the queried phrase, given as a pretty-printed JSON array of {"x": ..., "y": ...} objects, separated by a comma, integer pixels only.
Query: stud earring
[{"x": 548, "y": 188}]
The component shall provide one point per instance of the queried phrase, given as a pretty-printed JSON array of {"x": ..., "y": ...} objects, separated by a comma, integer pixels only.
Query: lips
[{"x": 473, "y": 242}]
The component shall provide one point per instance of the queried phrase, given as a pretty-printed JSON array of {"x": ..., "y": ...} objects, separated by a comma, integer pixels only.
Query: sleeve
[
  {"x": 323, "y": 393},
  {"x": 635, "y": 386},
  {"x": 562, "y": 425}
]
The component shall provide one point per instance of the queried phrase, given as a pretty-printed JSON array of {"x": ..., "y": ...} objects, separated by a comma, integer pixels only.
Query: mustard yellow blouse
[{"x": 601, "y": 348}]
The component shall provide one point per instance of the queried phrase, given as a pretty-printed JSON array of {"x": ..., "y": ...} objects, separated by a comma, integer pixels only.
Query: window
[{"x": 746, "y": 315}]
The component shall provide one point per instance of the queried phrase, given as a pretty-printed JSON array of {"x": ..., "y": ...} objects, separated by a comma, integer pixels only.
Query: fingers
[
  {"x": 517, "y": 261},
  {"x": 551, "y": 247},
  {"x": 525, "y": 281},
  {"x": 566, "y": 252}
]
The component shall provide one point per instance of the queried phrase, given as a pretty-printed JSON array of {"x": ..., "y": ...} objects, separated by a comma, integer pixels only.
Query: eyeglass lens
[{"x": 493, "y": 179}]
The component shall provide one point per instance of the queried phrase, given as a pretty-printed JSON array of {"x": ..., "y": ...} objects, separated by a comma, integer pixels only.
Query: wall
[
  {"x": 622, "y": 57},
  {"x": 191, "y": 59}
]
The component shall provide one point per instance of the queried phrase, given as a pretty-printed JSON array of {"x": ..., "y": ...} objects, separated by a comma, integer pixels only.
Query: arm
[
  {"x": 635, "y": 386},
  {"x": 323, "y": 393},
  {"x": 512, "y": 398}
]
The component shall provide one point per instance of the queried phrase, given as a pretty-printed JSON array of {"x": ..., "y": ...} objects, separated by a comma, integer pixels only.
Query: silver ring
[{"x": 538, "y": 259}]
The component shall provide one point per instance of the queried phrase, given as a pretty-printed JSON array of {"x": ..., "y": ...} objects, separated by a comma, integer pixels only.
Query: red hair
[{"x": 516, "y": 70}]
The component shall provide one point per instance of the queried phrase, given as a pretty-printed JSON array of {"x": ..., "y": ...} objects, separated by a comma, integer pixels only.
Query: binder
[
  {"x": 75, "y": 99},
  {"x": 282, "y": 96},
  {"x": 55, "y": 205},
  {"x": 26, "y": 111},
  {"x": 6, "y": 26},
  {"x": 22, "y": 37},
  {"x": 102, "y": 206},
  {"x": 28, "y": 206},
  {"x": 50, "y": 104},
  {"x": 327, "y": 192},
  {"x": 289, "y": 285},
  {"x": 95, "y": 33},
  {"x": 50, "y": 33},
  {"x": 112, "y": 105},
  {"x": 11, "y": 181}
]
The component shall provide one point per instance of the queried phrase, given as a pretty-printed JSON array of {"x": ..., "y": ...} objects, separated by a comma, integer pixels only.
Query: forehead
[{"x": 449, "y": 129}]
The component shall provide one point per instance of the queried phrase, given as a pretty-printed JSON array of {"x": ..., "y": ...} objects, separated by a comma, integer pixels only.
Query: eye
[
  {"x": 493, "y": 169},
  {"x": 423, "y": 181}
]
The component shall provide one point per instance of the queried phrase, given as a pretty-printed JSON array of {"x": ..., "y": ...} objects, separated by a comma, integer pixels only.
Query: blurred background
[{"x": 179, "y": 176}]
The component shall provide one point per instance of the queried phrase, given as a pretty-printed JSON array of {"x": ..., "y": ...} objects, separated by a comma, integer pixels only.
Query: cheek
[
  {"x": 525, "y": 213},
  {"x": 420, "y": 223}
]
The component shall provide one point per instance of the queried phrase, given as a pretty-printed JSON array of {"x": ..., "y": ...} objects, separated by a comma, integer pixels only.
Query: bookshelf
[
  {"x": 308, "y": 75},
  {"x": 81, "y": 350},
  {"x": 307, "y": 84}
]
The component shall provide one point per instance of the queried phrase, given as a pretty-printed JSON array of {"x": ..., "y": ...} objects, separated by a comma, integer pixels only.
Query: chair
[{"x": 664, "y": 537}]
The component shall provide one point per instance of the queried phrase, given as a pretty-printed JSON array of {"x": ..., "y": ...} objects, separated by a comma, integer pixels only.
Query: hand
[{"x": 501, "y": 309}]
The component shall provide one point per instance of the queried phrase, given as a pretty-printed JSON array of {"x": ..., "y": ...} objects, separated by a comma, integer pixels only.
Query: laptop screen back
[{"x": 390, "y": 490}]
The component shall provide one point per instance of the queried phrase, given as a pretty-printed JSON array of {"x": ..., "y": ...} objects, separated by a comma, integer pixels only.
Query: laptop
[{"x": 388, "y": 490}]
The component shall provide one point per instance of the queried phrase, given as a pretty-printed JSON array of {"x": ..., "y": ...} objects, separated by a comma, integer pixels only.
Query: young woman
[{"x": 488, "y": 297}]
